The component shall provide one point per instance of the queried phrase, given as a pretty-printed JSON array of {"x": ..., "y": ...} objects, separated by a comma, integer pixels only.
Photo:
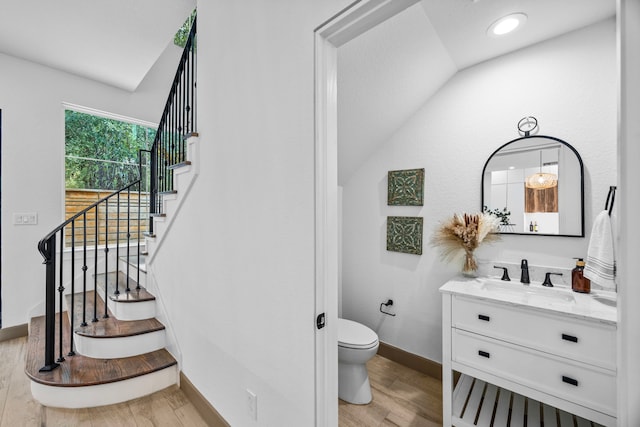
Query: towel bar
[{"x": 612, "y": 196}]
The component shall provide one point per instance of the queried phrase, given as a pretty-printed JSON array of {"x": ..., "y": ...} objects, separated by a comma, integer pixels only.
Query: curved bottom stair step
[{"x": 82, "y": 381}]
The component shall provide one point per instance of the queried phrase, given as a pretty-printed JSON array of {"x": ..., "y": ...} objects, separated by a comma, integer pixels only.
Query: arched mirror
[{"x": 535, "y": 184}]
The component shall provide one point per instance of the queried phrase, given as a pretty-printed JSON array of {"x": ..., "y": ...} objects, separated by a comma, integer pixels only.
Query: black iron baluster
[
  {"x": 61, "y": 293},
  {"x": 73, "y": 286},
  {"x": 117, "y": 292},
  {"x": 180, "y": 118},
  {"x": 84, "y": 271},
  {"x": 187, "y": 107},
  {"x": 174, "y": 125},
  {"x": 95, "y": 267},
  {"x": 128, "y": 233},
  {"x": 153, "y": 185},
  {"x": 139, "y": 226},
  {"x": 194, "y": 68},
  {"x": 106, "y": 258}
]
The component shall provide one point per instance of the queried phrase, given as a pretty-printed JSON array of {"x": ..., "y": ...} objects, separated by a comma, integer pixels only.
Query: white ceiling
[
  {"x": 386, "y": 74},
  {"x": 115, "y": 42}
]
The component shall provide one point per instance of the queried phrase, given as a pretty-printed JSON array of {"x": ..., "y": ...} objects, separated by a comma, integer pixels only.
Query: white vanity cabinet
[{"x": 529, "y": 345}]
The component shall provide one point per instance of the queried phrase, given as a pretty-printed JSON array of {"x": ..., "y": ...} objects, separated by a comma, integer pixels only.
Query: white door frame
[
  {"x": 628, "y": 204},
  {"x": 348, "y": 24}
]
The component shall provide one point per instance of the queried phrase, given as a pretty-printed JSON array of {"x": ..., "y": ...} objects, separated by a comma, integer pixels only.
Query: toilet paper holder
[{"x": 387, "y": 304}]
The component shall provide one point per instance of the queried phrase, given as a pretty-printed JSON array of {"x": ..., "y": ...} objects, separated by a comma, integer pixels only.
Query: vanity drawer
[
  {"x": 586, "y": 341},
  {"x": 585, "y": 385}
]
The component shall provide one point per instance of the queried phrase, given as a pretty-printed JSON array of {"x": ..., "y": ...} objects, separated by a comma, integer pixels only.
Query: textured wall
[{"x": 568, "y": 83}]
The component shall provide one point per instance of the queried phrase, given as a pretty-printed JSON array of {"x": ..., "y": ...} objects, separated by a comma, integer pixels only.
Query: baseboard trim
[
  {"x": 410, "y": 360},
  {"x": 13, "y": 332},
  {"x": 202, "y": 405}
]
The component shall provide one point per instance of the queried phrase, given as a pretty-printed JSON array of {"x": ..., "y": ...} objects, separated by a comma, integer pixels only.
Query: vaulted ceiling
[
  {"x": 115, "y": 42},
  {"x": 384, "y": 75},
  {"x": 387, "y": 73}
]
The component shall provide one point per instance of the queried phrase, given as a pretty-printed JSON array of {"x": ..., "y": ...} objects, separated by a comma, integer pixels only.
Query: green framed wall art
[
  {"x": 404, "y": 234},
  {"x": 405, "y": 187}
]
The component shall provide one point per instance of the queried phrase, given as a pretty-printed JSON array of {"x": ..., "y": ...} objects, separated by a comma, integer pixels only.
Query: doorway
[{"x": 344, "y": 27}]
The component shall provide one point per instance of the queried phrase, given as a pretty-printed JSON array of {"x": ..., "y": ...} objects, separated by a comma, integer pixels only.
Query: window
[{"x": 101, "y": 156}]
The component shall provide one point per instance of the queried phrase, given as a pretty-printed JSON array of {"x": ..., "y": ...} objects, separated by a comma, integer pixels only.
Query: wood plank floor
[
  {"x": 401, "y": 397},
  {"x": 168, "y": 407}
]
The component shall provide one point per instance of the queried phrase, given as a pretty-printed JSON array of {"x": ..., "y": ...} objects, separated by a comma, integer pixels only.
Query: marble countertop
[{"x": 597, "y": 305}]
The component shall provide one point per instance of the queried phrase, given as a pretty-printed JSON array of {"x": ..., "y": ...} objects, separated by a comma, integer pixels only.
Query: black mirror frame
[{"x": 482, "y": 204}]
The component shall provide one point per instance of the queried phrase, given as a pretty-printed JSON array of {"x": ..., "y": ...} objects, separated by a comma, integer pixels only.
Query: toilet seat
[{"x": 355, "y": 335}]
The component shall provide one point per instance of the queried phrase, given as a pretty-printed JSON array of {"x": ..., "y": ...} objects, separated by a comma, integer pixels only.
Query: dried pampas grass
[{"x": 460, "y": 235}]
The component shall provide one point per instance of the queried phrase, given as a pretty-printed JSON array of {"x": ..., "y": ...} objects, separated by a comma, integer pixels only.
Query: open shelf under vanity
[{"x": 478, "y": 403}]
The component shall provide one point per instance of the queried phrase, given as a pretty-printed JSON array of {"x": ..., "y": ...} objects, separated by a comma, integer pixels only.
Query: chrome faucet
[{"x": 524, "y": 275}]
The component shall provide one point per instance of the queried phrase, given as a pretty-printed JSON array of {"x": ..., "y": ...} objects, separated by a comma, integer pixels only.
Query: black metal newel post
[{"x": 48, "y": 249}]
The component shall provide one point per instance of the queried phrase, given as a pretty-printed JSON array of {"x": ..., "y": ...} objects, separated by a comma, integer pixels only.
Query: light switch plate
[{"x": 25, "y": 218}]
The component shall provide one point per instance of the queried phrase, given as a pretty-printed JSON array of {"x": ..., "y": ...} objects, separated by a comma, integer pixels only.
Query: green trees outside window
[{"x": 102, "y": 153}]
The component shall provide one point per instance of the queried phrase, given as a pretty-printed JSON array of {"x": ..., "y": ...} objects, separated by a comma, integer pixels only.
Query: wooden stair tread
[
  {"x": 80, "y": 370},
  {"x": 134, "y": 295},
  {"x": 179, "y": 165},
  {"x": 109, "y": 327}
]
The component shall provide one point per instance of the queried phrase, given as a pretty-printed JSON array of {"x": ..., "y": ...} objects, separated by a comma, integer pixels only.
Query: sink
[{"x": 528, "y": 293}]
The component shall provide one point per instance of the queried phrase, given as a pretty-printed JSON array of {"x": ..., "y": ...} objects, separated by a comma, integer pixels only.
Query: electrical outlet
[{"x": 252, "y": 405}]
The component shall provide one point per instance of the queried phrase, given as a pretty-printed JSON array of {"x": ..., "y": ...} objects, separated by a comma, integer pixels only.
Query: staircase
[
  {"x": 100, "y": 341},
  {"x": 120, "y": 356}
]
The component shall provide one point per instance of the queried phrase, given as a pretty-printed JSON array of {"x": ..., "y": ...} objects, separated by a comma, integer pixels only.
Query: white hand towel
[{"x": 600, "y": 267}]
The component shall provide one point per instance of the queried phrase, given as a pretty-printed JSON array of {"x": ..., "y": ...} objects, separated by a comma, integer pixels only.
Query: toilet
[{"x": 356, "y": 345}]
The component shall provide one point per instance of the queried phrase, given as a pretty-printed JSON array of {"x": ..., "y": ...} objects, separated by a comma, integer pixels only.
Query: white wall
[
  {"x": 237, "y": 270},
  {"x": 568, "y": 83},
  {"x": 31, "y": 98}
]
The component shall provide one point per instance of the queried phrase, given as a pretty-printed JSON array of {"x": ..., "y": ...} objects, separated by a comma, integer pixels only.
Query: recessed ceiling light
[{"x": 506, "y": 24}]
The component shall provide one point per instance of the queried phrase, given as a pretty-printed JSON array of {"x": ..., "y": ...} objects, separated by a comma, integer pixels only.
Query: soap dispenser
[{"x": 579, "y": 283}]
